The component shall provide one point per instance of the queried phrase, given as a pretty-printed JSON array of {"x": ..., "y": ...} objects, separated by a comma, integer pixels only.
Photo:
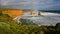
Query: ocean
[{"x": 46, "y": 18}]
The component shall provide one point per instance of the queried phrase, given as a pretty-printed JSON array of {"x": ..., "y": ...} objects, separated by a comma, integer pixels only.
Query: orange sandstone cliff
[{"x": 15, "y": 12}]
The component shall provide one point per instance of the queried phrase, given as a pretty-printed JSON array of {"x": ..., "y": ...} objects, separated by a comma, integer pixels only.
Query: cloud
[
  {"x": 32, "y": 4},
  {"x": 6, "y": 2}
]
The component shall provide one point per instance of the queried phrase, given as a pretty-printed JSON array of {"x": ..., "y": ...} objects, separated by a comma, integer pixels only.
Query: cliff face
[
  {"x": 13, "y": 13},
  {"x": 16, "y": 12}
]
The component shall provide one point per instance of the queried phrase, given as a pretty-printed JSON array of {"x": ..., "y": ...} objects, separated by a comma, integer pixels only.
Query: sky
[{"x": 31, "y": 4}]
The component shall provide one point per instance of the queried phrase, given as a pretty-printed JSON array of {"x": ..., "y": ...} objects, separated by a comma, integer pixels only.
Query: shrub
[
  {"x": 0, "y": 12},
  {"x": 6, "y": 15}
]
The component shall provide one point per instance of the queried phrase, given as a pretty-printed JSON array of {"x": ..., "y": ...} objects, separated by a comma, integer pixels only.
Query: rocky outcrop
[{"x": 17, "y": 19}]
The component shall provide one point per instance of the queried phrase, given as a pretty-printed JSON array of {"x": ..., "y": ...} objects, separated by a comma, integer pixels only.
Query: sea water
[{"x": 45, "y": 19}]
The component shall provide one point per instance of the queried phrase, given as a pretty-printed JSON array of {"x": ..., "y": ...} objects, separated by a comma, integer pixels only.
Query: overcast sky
[{"x": 31, "y": 4}]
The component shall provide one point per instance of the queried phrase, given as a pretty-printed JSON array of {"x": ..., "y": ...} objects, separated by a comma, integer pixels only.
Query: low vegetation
[{"x": 8, "y": 26}]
